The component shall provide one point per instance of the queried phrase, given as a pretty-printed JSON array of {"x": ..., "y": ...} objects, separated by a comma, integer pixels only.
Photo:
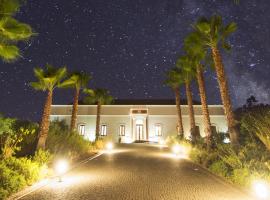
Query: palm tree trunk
[
  {"x": 178, "y": 107},
  {"x": 193, "y": 133},
  {"x": 225, "y": 96},
  {"x": 98, "y": 120},
  {"x": 205, "y": 111},
  {"x": 45, "y": 122},
  {"x": 74, "y": 111}
]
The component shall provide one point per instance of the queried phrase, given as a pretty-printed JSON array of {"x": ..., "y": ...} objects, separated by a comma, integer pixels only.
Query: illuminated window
[
  {"x": 158, "y": 130},
  {"x": 81, "y": 129},
  {"x": 122, "y": 130},
  {"x": 103, "y": 130}
]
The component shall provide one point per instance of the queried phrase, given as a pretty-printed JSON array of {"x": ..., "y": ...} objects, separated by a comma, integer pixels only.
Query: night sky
[{"x": 128, "y": 45}]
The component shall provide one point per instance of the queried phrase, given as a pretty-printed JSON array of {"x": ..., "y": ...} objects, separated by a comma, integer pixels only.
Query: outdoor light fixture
[
  {"x": 162, "y": 142},
  {"x": 176, "y": 149},
  {"x": 261, "y": 189},
  {"x": 226, "y": 140},
  {"x": 61, "y": 168},
  {"x": 109, "y": 146}
]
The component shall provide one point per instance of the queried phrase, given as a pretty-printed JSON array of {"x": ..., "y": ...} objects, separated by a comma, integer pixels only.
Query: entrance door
[{"x": 139, "y": 131}]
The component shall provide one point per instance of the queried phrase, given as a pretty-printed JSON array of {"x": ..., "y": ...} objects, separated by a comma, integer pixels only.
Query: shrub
[
  {"x": 10, "y": 181},
  {"x": 241, "y": 176},
  {"x": 26, "y": 167},
  {"x": 257, "y": 123},
  {"x": 99, "y": 144},
  {"x": 220, "y": 168},
  {"x": 60, "y": 141},
  {"x": 11, "y": 136},
  {"x": 42, "y": 157}
]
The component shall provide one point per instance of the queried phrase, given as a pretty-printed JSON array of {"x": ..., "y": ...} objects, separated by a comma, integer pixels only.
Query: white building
[{"x": 133, "y": 120}]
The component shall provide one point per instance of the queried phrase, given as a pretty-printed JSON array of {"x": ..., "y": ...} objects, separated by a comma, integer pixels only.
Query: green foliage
[
  {"x": 26, "y": 167},
  {"x": 77, "y": 80},
  {"x": 11, "y": 136},
  {"x": 16, "y": 173},
  {"x": 28, "y": 143},
  {"x": 174, "y": 78},
  {"x": 258, "y": 123},
  {"x": 220, "y": 168},
  {"x": 48, "y": 79},
  {"x": 101, "y": 96},
  {"x": 12, "y": 30},
  {"x": 212, "y": 32},
  {"x": 60, "y": 141},
  {"x": 10, "y": 181},
  {"x": 42, "y": 157}
]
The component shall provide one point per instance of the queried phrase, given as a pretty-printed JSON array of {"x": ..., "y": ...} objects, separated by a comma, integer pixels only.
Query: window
[
  {"x": 197, "y": 130},
  {"x": 214, "y": 129},
  {"x": 103, "y": 130},
  {"x": 122, "y": 130},
  {"x": 158, "y": 130},
  {"x": 81, "y": 129}
]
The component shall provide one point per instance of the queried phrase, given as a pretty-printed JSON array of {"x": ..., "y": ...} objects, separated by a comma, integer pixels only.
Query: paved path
[{"x": 139, "y": 171}]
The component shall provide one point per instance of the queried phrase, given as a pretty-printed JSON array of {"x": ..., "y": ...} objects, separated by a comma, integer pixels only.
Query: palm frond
[{"x": 9, "y": 53}]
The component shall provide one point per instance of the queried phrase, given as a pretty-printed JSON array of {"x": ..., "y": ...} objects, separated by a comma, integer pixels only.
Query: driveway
[{"x": 139, "y": 171}]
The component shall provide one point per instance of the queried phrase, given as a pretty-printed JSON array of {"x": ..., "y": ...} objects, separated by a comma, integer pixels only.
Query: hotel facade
[{"x": 140, "y": 120}]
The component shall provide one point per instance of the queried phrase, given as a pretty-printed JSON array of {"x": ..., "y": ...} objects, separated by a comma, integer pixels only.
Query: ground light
[
  {"x": 61, "y": 168},
  {"x": 261, "y": 189},
  {"x": 180, "y": 151},
  {"x": 162, "y": 142},
  {"x": 109, "y": 146}
]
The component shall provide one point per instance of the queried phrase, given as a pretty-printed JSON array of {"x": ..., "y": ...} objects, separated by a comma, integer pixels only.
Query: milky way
[{"x": 128, "y": 45}]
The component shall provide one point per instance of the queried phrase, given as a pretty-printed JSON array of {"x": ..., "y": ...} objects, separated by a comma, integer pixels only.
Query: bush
[
  {"x": 99, "y": 144},
  {"x": 10, "y": 181},
  {"x": 220, "y": 168},
  {"x": 42, "y": 157},
  {"x": 26, "y": 167},
  {"x": 61, "y": 142},
  {"x": 12, "y": 135}
]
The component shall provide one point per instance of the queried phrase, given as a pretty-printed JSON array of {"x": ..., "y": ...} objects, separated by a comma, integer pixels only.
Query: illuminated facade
[{"x": 135, "y": 121}]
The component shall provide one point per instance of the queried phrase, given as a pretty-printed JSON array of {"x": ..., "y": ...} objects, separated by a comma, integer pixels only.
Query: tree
[
  {"x": 197, "y": 55},
  {"x": 213, "y": 34},
  {"x": 174, "y": 80},
  {"x": 11, "y": 30},
  {"x": 78, "y": 81},
  {"x": 100, "y": 97},
  {"x": 47, "y": 81},
  {"x": 187, "y": 73}
]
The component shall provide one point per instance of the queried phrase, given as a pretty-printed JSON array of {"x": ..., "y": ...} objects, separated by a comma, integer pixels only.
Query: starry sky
[{"x": 127, "y": 46}]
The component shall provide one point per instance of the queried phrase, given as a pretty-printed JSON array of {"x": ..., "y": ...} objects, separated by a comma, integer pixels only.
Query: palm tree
[
  {"x": 11, "y": 30},
  {"x": 187, "y": 73},
  {"x": 196, "y": 54},
  {"x": 47, "y": 80},
  {"x": 78, "y": 81},
  {"x": 100, "y": 97},
  {"x": 212, "y": 33},
  {"x": 174, "y": 80}
]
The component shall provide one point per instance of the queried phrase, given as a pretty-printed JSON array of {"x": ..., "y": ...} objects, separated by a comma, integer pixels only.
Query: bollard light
[
  {"x": 261, "y": 189},
  {"x": 61, "y": 167},
  {"x": 176, "y": 149},
  {"x": 109, "y": 146},
  {"x": 162, "y": 142}
]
